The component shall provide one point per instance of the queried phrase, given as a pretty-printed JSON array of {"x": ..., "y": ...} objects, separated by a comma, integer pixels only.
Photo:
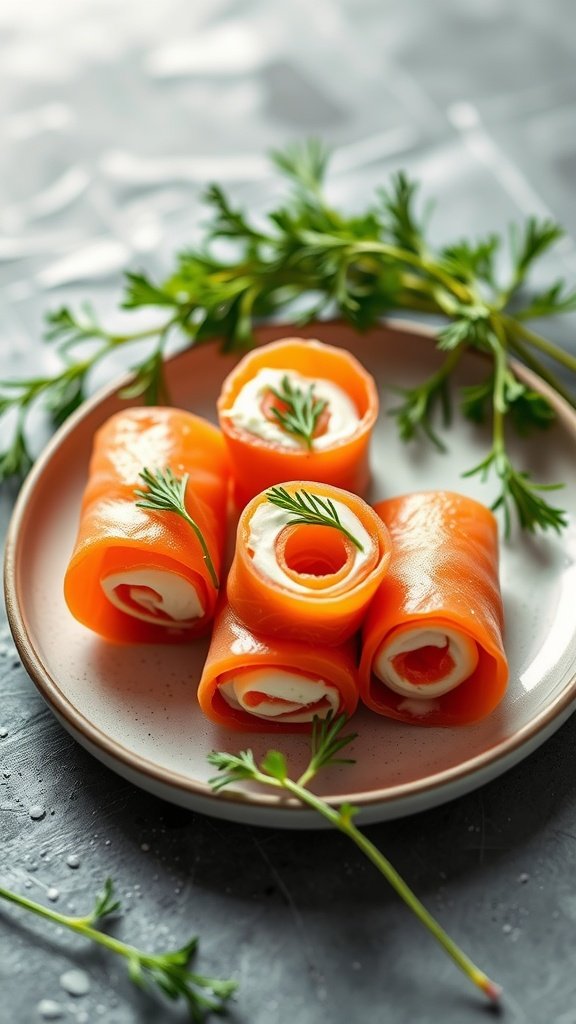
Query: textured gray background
[{"x": 113, "y": 114}]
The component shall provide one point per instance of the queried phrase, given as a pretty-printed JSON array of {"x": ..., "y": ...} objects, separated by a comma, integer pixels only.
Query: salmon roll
[
  {"x": 432, "y": 648},
  {"x": 309, "y": 557},
  {"x": 271, "y": 684},
  {"x": 139, "y": 575},
  {"x": 298, "y": 410}
]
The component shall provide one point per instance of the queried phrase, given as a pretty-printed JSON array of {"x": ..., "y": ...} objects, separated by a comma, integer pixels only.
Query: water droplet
[
  {"x": 73, "y": 860},
  {"x": 144, "y": 847},
  {"x": 49, "y": 1009},
  {"x": 3, "y": 732},
  {"x": 75, "y": 982},
  {"x": 53, "y": 893},
  {"x": 82, "y": 1017},
  {"x": 37, "y": 812},
  {"x": 507, "y": 928},
  {"x": 523, "y": 878}
]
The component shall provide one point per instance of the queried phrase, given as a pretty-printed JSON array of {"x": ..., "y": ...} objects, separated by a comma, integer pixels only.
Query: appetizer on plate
[
  {"x": 308, "y": 560},
  {"x": 136, "y": 574},
  {"x": 271, "y": 684},
  {"x": 298, "y": 410},
  {"x": 432, "y": 650}
]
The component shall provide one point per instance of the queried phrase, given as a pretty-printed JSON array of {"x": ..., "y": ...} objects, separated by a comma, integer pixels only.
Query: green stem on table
[
  {"x": 344, "y": 823},
  {"x": 167, "y": 971},
  {"x": 327, "y": 742}
]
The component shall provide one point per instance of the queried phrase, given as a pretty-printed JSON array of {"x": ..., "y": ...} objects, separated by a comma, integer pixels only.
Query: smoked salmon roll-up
[
  {"x": 432, "y": 651},
  {"x": 137, "y": 574},
  {"x": 271, "y": 684},
  {"x": 298, "y": 410},
  {"x": 308, "y": 560}
]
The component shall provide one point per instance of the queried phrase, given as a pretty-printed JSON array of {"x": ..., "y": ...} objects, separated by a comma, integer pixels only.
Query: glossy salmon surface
[
  {"x": 258, "y": 464},
  {"x": 235, "y": 646},
  {"x": 443, "y": 573},
  {"x": 333, "y": 599},
  {"x": 116, "y": 537}
]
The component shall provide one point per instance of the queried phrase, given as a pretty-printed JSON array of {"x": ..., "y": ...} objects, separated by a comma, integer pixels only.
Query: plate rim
[{"x": 507, "y": 752}]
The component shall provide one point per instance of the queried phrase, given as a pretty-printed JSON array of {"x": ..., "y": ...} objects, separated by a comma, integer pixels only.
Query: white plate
[{"x": 135, "y": 709}]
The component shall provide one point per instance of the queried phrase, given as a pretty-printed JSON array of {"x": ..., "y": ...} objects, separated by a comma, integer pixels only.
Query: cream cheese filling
[
  {"x": 278, "y": 693},
  {"x": 462, "y": 650},
  {"x": 154, "y": 595},
  {"x": 246, "y": 412},
  {"x": 267, "y": 524}
]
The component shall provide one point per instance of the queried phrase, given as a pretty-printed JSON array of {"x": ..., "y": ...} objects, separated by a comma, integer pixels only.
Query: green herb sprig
[
  {"x": 302, "y": 410},
  {"x": 360, "y": 266},
  {"x": 168, "y": 972},
  {"x": 310, "y": 509},
  {"x": 327, "y": 741},
  {"x": 167, "y": 493}
]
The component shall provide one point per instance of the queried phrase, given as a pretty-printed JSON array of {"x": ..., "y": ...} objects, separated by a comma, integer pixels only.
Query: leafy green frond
[{"x": 529, "y": 242}]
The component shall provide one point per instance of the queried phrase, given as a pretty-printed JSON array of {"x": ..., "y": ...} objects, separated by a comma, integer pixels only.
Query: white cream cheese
[
  {"x": 288, "y": 695},
  {"x": 266, "y": 525},
  {"x": 461, "y": 649},
  {"x": 246, "y": 412},
  {"x": 154, "y": 595}
]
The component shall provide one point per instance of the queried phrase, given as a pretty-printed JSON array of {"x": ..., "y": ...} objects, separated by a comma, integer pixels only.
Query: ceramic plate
[{"x": 135, "y": 709}]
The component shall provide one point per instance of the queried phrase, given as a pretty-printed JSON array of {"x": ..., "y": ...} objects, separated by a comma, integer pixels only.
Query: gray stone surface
[{"x": 112, "y": 117}]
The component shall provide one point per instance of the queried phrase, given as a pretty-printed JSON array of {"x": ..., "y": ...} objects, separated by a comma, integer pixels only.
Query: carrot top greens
[{"x": 360, "y": 266}]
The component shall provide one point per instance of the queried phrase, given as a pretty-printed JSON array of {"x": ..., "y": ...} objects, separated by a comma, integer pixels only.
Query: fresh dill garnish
[
  {"x": 301, "y": 411},
  {"x": 167, "y": 972},
  {"x": 327, "y": 742},
  {"x": 359, "y": 266},
  {"x": 166, "y": 492},
  {"x": 310, "y": 509}
]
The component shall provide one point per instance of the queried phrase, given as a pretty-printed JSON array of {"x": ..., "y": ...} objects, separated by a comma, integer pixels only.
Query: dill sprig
[
  {"x": 166, "y": 492},
  {"x": 328, "y": 741},
  {"x": 301, "y": 409},
  {"x": 310, "y": 509},
  {"x": 361, "y": 266},
  {"x": 168, "y": 972}
]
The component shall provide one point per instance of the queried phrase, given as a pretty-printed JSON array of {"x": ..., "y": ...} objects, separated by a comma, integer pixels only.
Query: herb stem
[
  {"x": 560, "y": 355},
  {"x": 151, "y": 332},
  {"x": 538, "y": 367},
  {"x": 451, "y": 284},
  {"x": 80, "y": 925},
  {"x": 167, "y": 493},
  {"x": 345, "y": 824},
  {"x": 205, "y": 550},
  {"x": 327, "y": 742},
  {"x": 168, "y": 971}
]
